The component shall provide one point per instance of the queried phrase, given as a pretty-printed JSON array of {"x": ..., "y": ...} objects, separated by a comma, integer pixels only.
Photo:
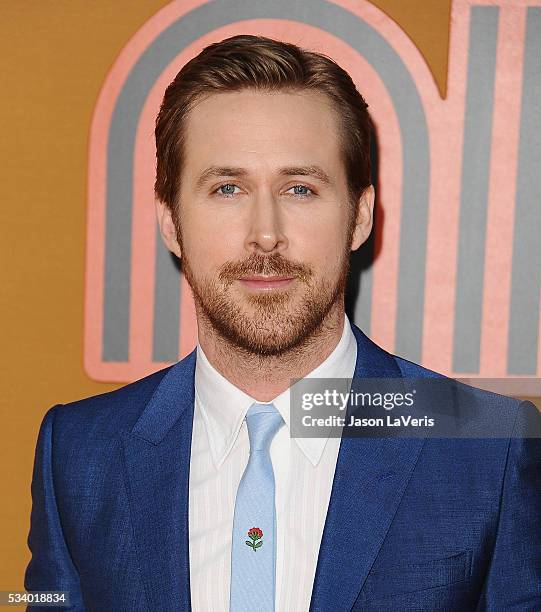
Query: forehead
[{"x": 251, "y": 127}]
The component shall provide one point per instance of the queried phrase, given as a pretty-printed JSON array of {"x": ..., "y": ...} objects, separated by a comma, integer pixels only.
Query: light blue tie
[{"x": 253, "y": 548}]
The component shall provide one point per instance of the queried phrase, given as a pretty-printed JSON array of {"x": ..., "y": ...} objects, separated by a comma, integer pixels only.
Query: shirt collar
[{"x": 223, "y": 406}]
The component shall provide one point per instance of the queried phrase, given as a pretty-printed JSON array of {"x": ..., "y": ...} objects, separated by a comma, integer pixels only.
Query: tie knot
[{"x": 263, "y": 421}]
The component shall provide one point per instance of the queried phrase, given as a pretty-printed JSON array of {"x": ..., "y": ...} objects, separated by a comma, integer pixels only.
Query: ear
[
  {"x": 167, "y": 228},
  {"x": 365, "y": 216}
]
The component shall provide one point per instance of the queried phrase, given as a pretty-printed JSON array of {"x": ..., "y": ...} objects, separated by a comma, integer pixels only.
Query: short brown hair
[{"x": 260, "y": 63}]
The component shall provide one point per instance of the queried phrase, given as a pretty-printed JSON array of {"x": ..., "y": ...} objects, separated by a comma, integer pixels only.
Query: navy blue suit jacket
[{"x": 416, "y": 524}]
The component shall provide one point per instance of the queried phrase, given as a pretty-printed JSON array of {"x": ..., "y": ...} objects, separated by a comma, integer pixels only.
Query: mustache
[{"x": 269, "y": 265}]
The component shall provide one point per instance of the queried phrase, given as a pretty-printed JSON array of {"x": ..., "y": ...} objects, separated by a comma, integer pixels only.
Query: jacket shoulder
[
  {"x": 489, "y": 413},
  {"x": 110, "y": 413}
]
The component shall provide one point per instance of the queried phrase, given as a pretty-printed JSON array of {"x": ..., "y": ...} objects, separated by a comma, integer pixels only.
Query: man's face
[{"x": 263, "y": 192}]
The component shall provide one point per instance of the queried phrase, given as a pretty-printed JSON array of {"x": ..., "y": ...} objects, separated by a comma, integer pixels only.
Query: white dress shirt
[{"x": 303, "y": 470}]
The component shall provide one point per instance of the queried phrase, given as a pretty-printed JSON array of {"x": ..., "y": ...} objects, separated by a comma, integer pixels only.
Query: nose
[{"x": 265, "y": 230}]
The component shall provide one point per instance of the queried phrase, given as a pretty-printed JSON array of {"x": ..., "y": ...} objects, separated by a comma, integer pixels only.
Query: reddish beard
[{"x": 273, "y": 322}]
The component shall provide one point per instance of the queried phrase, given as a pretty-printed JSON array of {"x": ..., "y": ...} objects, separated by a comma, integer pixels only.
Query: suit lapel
[
  {"x": 370, "y": 478},
  {"x": 156, "y": 464}
]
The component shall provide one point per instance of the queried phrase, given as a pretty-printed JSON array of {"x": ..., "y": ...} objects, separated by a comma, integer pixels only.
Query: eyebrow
[{"x": 230, "y": 171}]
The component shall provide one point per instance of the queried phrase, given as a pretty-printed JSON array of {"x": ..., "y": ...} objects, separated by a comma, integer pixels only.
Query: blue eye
[
  {"x": 229, "y": 189},
  {"x": 304, "y": 189}
]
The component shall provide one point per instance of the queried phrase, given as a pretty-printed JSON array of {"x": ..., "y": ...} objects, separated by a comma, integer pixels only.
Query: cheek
[
  {"x": 207, "y": 251},
  {"x": 323, "y": 243},
  {"x": 211, "y": 232}
]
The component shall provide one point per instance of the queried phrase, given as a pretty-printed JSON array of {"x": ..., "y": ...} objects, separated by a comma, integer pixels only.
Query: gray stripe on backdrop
[
  {"x": 526, "y": 263},
  {"x": 474, "y": 188},
  {"x": 167, "y": 288}
]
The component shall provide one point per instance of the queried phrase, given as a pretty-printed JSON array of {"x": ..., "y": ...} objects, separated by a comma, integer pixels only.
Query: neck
[{"x": 265, "y": 377}]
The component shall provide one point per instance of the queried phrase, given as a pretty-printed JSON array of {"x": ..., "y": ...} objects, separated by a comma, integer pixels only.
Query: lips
[
  {"x": 266, "y": 283},
  {"x": 266, "y": 278}
]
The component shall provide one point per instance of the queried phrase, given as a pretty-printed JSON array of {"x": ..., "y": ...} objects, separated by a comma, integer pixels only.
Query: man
[{"x": 184, "y": 490}]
